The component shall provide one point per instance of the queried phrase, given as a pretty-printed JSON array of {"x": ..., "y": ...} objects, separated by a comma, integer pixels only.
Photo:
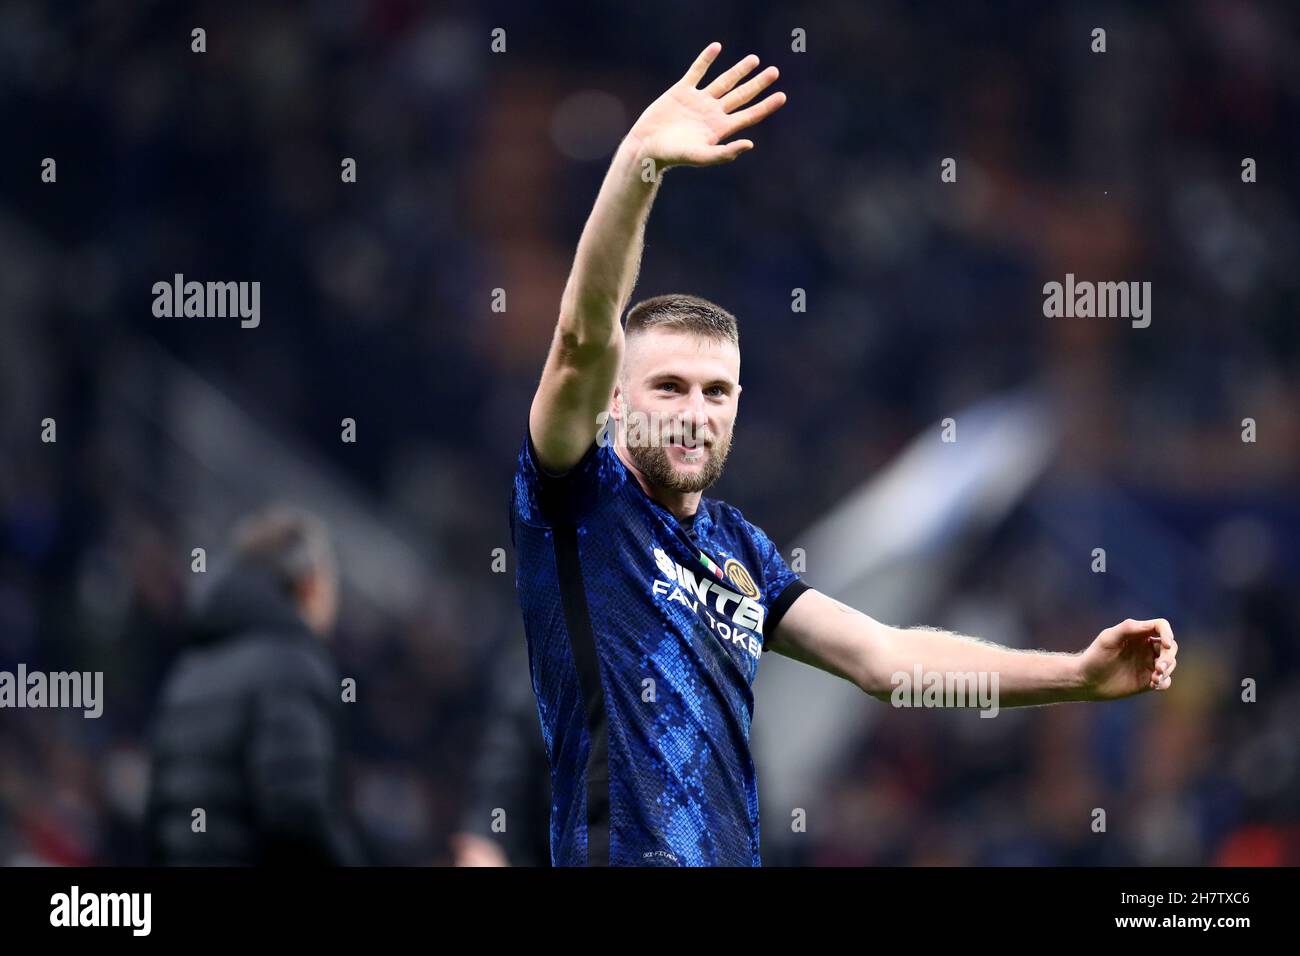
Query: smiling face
[{"x": 675, "y": 405}]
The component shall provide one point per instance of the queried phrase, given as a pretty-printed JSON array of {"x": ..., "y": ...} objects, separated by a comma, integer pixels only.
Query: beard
[{"x": 653, "y": 462}]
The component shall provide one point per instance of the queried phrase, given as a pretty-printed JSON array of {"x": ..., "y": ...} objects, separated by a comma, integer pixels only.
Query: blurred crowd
[{"x": 475, "y": 171}]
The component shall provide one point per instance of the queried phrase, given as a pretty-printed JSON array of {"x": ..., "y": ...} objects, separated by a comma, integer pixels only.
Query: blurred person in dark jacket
[
  {"x": 507, "y": 819},
  {"x": 247, "y": 727}
]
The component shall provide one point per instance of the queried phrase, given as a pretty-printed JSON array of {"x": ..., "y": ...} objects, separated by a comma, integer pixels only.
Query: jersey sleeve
[
  {"x": 781, "y": 586},
  {"x": 545, "y": 499}
]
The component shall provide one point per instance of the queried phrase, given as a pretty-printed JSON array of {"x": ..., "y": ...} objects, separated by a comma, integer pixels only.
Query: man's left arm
[{"x": 1129, "y": 658}]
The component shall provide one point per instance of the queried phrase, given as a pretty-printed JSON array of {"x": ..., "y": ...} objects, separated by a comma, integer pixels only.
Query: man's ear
[{"x": 616, "y": 404}]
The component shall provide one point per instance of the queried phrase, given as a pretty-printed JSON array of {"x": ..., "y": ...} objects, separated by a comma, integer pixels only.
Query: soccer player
[{"x": 647, "y": 606}]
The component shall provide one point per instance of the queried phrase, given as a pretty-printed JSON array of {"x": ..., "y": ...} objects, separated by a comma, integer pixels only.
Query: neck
[{"x": 683, "y": 504}]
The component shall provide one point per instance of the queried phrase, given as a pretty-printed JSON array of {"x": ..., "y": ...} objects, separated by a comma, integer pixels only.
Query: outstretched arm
[
  {"x": 685, "y": 126},
  {"x": 1129, "y": 658}
]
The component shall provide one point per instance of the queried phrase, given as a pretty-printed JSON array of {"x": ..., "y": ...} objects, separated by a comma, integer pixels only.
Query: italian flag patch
[{"x": 708, "y": 563}]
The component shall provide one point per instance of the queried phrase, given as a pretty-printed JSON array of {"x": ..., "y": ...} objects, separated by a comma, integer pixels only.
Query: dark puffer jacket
[{"x": 247, "y": 730}]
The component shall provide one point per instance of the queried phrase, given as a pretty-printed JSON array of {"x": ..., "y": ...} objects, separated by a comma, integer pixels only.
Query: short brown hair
[
  {"x": 683, "y": 313},
  {"x": 289, "y": 543}
]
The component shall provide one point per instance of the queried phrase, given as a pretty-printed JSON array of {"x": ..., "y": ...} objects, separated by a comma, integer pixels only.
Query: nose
[{"x": 699, "y": 411}]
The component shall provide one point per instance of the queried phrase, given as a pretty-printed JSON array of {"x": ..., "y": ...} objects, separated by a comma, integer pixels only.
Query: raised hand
[{"x": 686, "y": 126}]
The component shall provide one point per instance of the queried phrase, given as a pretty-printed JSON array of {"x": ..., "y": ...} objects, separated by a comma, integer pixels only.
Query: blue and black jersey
[{"x": 644, "y": 637}]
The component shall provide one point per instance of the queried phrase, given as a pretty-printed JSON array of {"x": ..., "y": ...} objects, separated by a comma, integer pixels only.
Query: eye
[
  {"x": 716, "y": 390},
  {"x": 669, "y": 386}
]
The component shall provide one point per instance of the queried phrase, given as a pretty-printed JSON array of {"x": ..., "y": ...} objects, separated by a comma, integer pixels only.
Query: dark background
[{"x": 476, "y": 172}]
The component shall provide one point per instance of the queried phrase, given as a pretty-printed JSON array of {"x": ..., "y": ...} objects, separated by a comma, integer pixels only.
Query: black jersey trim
[
  {"x": 582, "y": 642},
  {"x": 536, "y": 460},
  {"x": 781, "y": 605}
]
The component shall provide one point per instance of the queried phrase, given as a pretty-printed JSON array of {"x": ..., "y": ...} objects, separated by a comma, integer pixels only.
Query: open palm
[{"x": 686, "y": 126}]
